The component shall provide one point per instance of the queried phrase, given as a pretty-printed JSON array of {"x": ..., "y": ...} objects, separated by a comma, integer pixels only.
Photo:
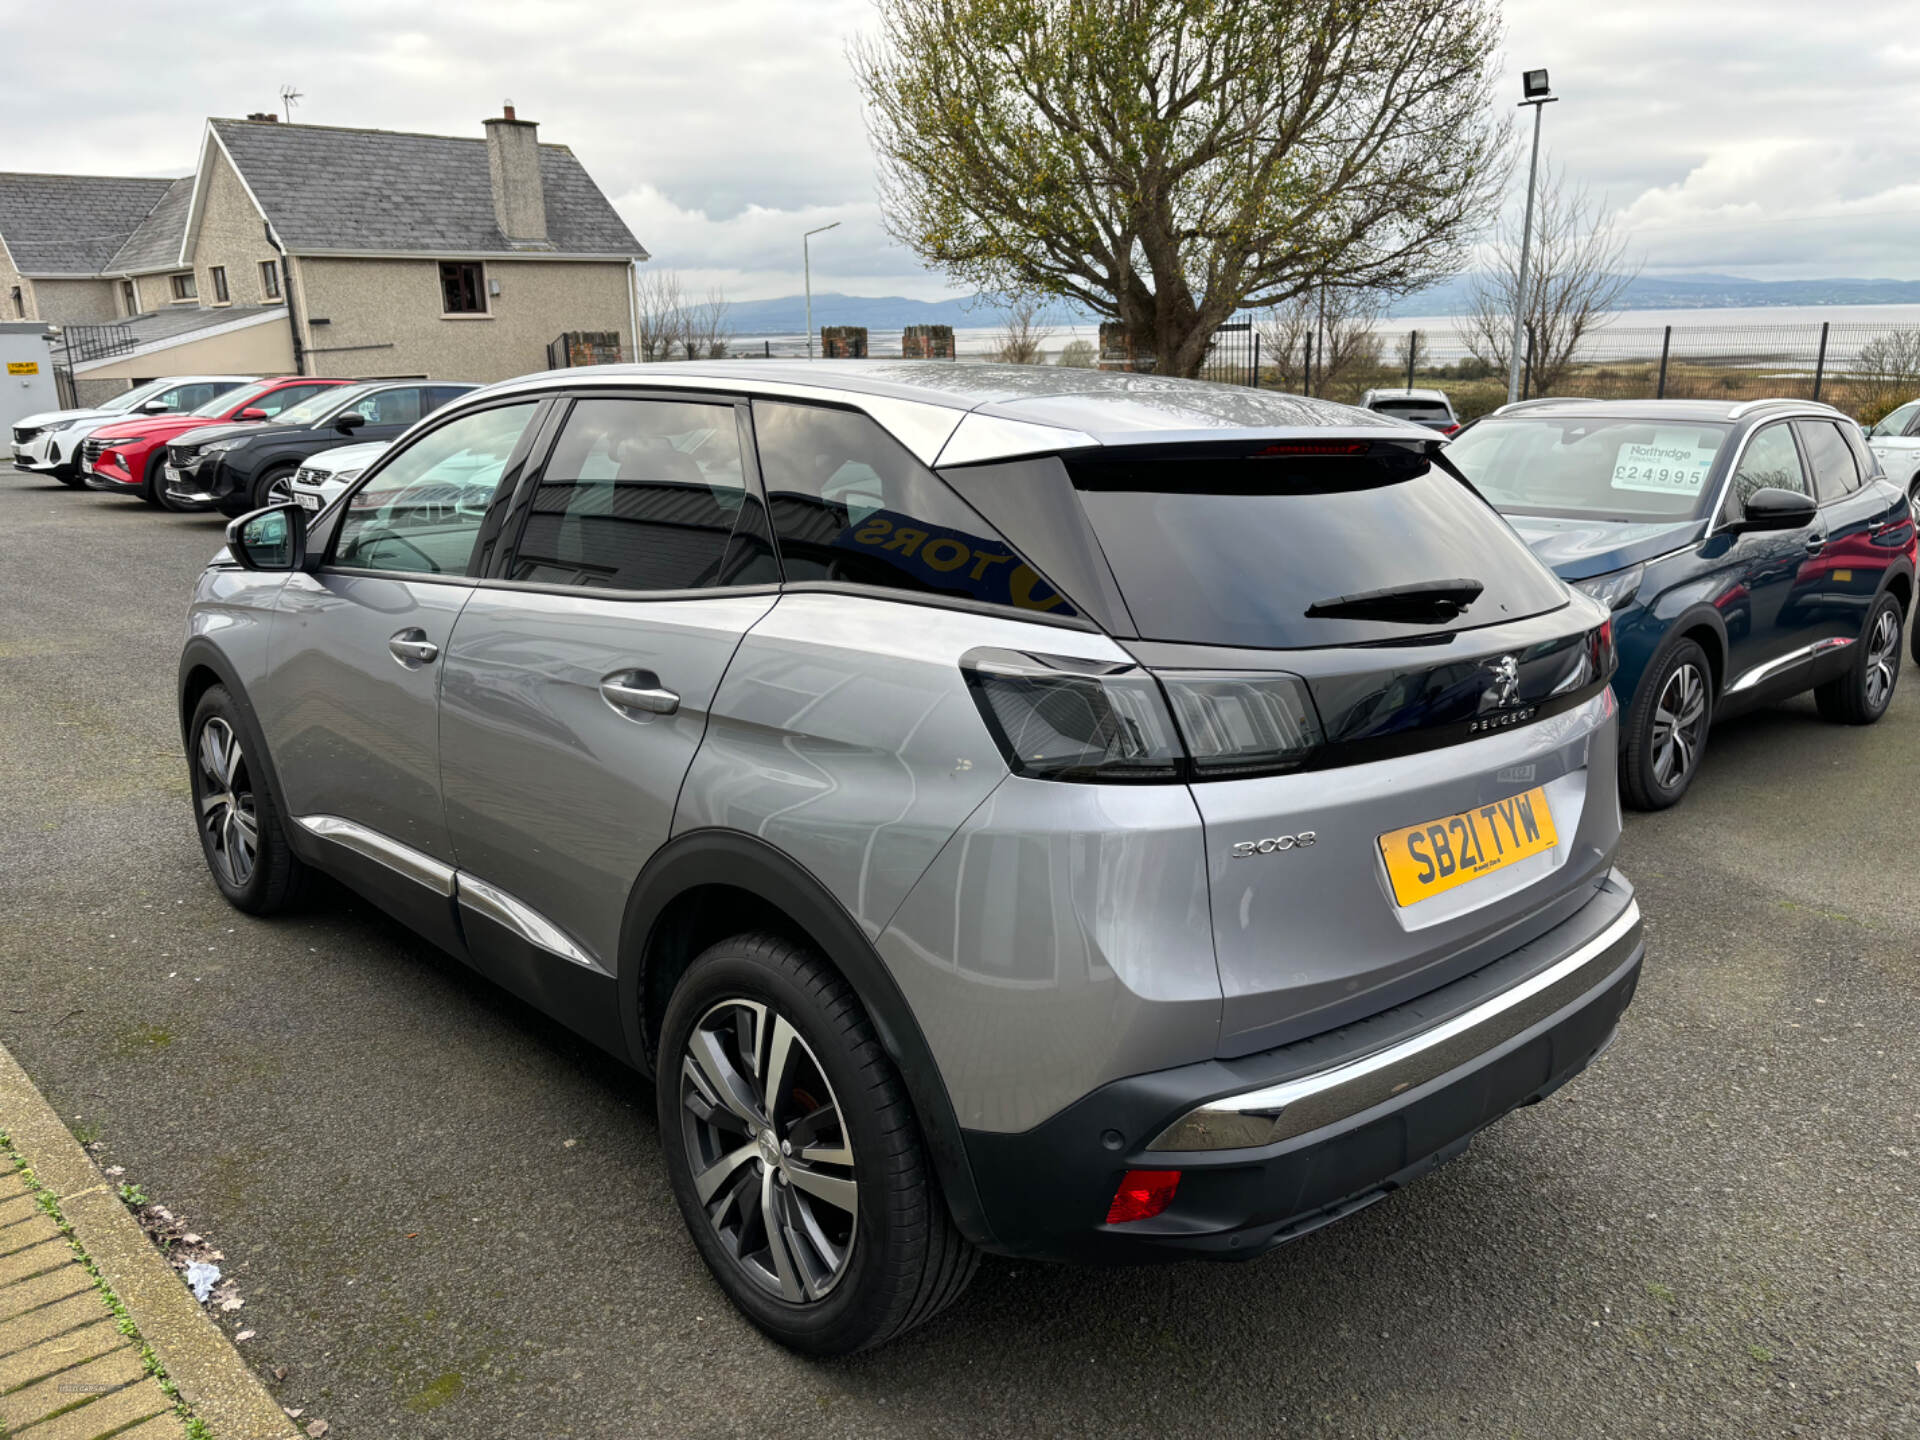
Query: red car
[{"x": 127, "y": 455}]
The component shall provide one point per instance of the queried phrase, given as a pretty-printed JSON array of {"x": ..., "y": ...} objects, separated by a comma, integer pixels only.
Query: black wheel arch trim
[
  {"x": 746, "y": 862},
  {"x": 201, "y": 653}
]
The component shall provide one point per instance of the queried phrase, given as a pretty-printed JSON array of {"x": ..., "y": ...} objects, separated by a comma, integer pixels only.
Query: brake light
[
  {"x": 1449, "y": 429},
  {"x": 1142, "y": 1195},
  {"x": 1313, "y": 447},
  {"x": 1059, "y": 718},
  {"x": 1601, "y": 651}
]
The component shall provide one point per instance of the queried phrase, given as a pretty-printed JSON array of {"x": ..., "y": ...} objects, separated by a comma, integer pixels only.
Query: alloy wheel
[
  {"x": 279, "y": 491},
  {"x": 226, "y": 803},
  {"x": 1883, "y": 657},
  {"x": 1679, "y": 716},
  {"x": 768, "y": 1149}
]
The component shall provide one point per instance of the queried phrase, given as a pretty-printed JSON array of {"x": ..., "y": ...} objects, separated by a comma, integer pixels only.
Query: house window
[
  {"x": 129, "y": 297},
  {"x": 19, "y": 304},
  {"x": 184, "y": 288},
  {"x": 219, "y": 274},
  {"x": 269, "y": 280},
  {"x": 463, "y": 287}
]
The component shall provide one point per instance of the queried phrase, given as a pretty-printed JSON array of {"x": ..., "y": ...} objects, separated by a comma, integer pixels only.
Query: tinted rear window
[
  {"x": 1414, "y": 410},
  {"x": 1233, "y": 551}
]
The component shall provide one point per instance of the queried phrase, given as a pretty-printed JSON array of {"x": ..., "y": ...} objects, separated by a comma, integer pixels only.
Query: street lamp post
[
  {"x": 1533, "y": 85},
  {"x": 806, "y": 260}
]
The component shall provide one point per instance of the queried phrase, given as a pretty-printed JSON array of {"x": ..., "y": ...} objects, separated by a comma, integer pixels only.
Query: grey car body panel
[
  {"x": 844, "y": 735},
  {"x": 1310, "y": 938},
  {"x": 552, "y": 794},
  {"x": 1060, "y": 940}
]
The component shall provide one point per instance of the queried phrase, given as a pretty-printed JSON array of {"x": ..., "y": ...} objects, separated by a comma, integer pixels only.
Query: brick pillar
[
  {"x": 927, "y": 342},
  {"x": 843, "y": 342}
]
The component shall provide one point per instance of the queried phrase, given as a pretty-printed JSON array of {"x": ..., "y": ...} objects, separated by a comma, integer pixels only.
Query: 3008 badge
[{"x": 1243, "y": 848}]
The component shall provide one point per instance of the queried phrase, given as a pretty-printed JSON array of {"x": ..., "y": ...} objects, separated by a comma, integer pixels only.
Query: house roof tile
[{"x": 72, "y": 224}]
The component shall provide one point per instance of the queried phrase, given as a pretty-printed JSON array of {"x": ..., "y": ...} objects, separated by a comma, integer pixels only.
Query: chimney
[{"x": 513, "y": 163}]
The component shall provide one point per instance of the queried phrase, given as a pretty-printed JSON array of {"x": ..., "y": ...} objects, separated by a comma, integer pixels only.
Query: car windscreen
[
  {"x": 1430, "y": 411},
  {"x": 119, "y": 404},
  {"x": 1586, "y": 466},
  {"x": 311, "y": 412},
  {"x": 233, "y": 400},
  {"x": 1287, "y": 551}
]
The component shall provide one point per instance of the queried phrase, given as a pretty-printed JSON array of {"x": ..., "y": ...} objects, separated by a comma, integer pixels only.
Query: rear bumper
[{"x": 1346, "y": 1118}]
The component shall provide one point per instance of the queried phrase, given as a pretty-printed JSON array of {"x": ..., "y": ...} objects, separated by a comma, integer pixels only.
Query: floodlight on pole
[
  {"x": 1533, "y": 85},
  {"x": 806, "y": 260}
]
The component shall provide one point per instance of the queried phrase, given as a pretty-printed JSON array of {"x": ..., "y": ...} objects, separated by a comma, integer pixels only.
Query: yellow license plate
[{"x": 1423, "y": 860}]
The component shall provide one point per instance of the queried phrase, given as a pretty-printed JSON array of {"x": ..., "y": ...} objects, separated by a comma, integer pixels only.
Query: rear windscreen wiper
[{"x": 1424, "y": 600}]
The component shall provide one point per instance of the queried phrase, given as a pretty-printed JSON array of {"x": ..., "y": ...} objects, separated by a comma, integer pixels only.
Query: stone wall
[
  {"x": 843, "y": 342},
  {"x": 927, "y": 342}
]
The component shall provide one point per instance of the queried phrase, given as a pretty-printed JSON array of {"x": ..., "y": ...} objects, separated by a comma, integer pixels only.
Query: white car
[
  {"x": 49, "y": 443},
  {"x": 322, "y": 477},
  {"x": 1430, "y": 408},
  {"x": 1895, "y": 441}
]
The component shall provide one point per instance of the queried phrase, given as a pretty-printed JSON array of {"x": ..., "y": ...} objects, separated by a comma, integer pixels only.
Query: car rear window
[
  {"x": 1618, "y": 469},
  {"x": 1414, "y": 410},
  {"x": 1234, "y": 550}
]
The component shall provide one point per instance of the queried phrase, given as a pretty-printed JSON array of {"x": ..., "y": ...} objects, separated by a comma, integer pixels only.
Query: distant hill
[
  {"x": 788, "y": 314},
  {"x": 1693, "y": 292}
]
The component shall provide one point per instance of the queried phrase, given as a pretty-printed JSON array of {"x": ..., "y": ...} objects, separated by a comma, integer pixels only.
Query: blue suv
[{"x": 1748, "y": 552}]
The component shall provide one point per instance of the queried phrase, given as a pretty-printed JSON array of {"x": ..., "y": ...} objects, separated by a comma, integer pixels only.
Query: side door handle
[
  {"x": 411, "y": 647},
  {"x": 1816, "y": 542},
  {"x": 629, "y": 690}
]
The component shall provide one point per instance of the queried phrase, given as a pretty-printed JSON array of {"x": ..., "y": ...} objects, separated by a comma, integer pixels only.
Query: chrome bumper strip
[
  {"x": 522, "y": 919},
  {"x": 1294, "y": 1107}
]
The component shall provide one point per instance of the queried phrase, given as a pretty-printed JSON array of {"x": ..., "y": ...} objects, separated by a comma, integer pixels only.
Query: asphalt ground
[{"x": 448, "y": 1217}]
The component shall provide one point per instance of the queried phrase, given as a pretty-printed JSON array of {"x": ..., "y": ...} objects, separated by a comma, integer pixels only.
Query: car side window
[
  {"x": 421, "y": 513},
  {"x": 645, "y": 495},
  {"x": 191, "y": 397},
  {"x": 1771, "y": 462},
  {"x": 1834, "y": 473},
  {"x": 285, "y": 398},
  {"x": 389, "y": 407},
  {"x": 851, "y": 504},
  {"x": 1898, "y": 423}
]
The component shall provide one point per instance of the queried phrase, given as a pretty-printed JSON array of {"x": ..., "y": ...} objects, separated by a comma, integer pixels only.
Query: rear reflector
[{"x": 1142, "y": 1195}]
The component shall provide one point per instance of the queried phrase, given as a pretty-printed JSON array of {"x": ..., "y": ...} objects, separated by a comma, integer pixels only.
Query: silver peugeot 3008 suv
[{"x": 1058, "y": 814}]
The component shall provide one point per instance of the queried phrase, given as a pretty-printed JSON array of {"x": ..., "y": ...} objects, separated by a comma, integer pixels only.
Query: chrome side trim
[
  {"x": 1747, "y": 679},
  {"x": 522, "y": 919},
  {"x": 1294, "y": 1107},
  {"x": 401, "y": 859}
]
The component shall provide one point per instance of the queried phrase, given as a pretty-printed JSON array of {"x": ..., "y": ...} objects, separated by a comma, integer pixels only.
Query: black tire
[
  {"x": 69, "y": 476},
  {"x": 903, "y": 1261},
  {"x": 153, "y": 480},
  {"x": 1667, "y": 728},
  {"x": 271, "y": 876},
  {"x": 1862, "y": 695},
  {"x": 261, "y": 494}
]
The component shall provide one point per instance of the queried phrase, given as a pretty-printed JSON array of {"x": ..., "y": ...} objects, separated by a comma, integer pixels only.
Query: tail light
[
  {"x": 1058, "y": 718},
  {"x": 1449, "y": 429},
  {"x": 1142, "y": 1194},
  {"x": 1601, "y": 651}
]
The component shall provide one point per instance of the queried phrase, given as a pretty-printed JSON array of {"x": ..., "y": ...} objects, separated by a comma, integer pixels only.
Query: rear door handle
[
  {"x": 638, "y": 690},
  {"x": 411, "y": 647}
]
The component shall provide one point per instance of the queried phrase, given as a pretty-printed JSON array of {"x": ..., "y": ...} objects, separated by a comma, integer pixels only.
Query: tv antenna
[{"x": 289, "y": 97}]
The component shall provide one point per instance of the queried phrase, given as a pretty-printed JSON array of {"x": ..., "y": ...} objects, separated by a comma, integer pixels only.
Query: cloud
[{"x": 1721, "y": 131}]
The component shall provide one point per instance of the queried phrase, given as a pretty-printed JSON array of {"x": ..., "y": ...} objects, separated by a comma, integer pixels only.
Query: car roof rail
[
  {"x": 1529, "y": 404},
  {"x": 1747, "y": 407}
]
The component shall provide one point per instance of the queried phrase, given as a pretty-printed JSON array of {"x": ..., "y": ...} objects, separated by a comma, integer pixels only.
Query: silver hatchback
[{"x": 1085, "y": 816}]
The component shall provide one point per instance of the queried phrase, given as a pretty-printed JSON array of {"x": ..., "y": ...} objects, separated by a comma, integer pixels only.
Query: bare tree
[
  {"x": 660, "y": 315},
  {"x": 706, "y": 331},
  {"x": 1577, "y": 272},
  {"x": 1021, "y": 335},
  {"x": 1077, "y": 355},
  {"x": 1343, "y": 325},
  {"x": 1167, "y": 163},
  {"x": 1885, "y": 373}
]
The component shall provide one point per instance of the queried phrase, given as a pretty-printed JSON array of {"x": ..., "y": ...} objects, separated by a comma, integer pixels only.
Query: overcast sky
[{"x": 1771, "y": 138}]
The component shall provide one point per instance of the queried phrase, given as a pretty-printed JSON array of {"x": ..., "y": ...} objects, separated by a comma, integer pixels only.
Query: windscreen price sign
[{"x": 1664, "y": 467}]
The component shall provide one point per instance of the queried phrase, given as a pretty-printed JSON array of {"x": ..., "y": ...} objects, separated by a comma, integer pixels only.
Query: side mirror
[
  {"x": 1775, "y": 509},
  {"x": 155, "y": 407},
  {"x": 252, "y": 412},
  {"x": 271, "y": 539},
  {"x": 351, "y": 421}
]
